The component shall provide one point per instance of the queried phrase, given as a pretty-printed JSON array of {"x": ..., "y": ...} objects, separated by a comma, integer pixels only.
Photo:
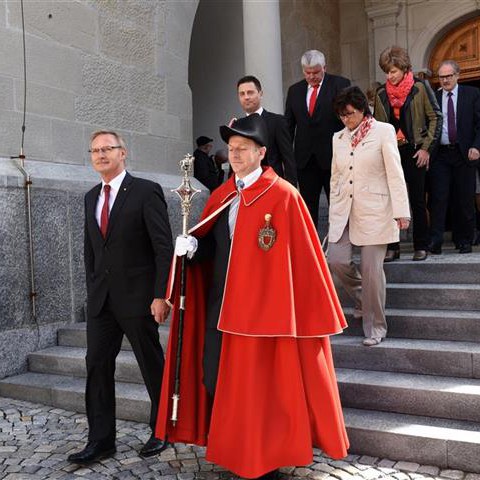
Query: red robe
[{"x": 276, "y": 392}]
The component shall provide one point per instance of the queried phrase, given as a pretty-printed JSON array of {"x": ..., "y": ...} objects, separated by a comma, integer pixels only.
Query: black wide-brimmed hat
[{"x": 252, "y": 127}]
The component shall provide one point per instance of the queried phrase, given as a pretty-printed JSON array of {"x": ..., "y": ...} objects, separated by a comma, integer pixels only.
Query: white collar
[
  {"x": 259, "y": 111},
  {"x": 454, "y": 91},
  {"x": 251, "y": 178},
  {"x": 116, "y": 182}
]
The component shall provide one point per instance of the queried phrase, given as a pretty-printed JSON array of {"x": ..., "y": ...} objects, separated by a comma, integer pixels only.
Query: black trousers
[
  {"x": 104, "y": 338},
  {"x": 451, "y": 177},
  {"x": 415, "y": 179},
  {"x": 311, "y": 180}
]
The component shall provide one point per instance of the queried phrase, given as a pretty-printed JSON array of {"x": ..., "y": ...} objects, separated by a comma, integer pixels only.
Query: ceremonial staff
[{"x": 186, "y": 192}]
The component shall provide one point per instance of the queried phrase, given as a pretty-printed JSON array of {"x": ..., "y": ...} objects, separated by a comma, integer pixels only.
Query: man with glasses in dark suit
[{"x": 128, "y": 249}]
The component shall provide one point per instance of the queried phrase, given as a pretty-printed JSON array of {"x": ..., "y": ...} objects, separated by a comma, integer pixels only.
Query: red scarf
[
  {"x": 362, "y": 131},
  {"x": 397, "y": 94}
]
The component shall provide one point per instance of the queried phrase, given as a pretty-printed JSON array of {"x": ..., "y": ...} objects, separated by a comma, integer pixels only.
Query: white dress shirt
[
  {"x": 310, "y": 91},
  {"x": 248, "y": 180},
  {"x": 115, "y": 185},
  {"x": 259, "y": 111}
]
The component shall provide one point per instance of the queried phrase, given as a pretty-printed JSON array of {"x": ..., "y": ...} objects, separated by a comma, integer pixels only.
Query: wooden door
[{"x": 461, "y": 44}]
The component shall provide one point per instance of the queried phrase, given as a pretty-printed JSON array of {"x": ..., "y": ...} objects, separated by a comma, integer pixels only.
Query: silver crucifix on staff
[{"x": 186, "y": 192}]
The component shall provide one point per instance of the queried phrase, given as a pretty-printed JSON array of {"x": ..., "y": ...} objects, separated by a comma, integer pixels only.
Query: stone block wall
[
  {"x": 57, "y": 211},
  {"x": 309, "y": 25},
  {"x": 116, "y": 64},
  {"x": 91, "y": 64}
]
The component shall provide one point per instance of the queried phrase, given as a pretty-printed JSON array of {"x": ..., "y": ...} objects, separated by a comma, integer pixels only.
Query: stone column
[
  {"x": 263, "y": 49},
  {"x": 385, "y": 32}
]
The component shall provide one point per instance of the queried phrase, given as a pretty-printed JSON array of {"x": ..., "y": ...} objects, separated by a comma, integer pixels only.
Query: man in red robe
[{"x": 257, "y": 382}]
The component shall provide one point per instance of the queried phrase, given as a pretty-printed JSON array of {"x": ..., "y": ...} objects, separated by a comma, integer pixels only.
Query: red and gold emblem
[{"x": 267, "y": 235}]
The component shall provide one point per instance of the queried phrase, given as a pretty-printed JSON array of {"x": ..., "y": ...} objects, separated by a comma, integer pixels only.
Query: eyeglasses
[
  {"x": 447, "y": 77},
  {"x": 347, "y": 114},
  {"x": 107, "y": 149}
]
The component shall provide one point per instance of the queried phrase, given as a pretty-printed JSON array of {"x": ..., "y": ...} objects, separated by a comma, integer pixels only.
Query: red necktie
[
  {"x": 313, "y": 100},
  {"x": 104, "y": 215}
]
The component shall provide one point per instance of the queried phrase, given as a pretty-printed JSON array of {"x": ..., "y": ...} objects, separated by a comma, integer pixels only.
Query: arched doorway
[
  {"x": 461, "y": 44},
  {"x": 216, "y": 62}
]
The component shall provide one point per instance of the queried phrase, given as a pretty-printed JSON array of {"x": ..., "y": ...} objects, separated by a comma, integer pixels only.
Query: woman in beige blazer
[{"x": 368, "y": 206}]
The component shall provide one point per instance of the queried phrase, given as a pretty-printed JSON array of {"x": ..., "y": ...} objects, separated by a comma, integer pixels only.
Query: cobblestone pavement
[{"x": 35, "y": 441}]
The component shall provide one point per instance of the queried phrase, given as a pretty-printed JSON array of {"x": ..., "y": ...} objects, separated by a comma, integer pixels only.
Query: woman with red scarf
[
  {"x": 368, "y": 206},
  {"x": 409, "y": 104}
]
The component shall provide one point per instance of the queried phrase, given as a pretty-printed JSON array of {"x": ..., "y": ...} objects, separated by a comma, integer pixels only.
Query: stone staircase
[{"x": 414, "y": 397}]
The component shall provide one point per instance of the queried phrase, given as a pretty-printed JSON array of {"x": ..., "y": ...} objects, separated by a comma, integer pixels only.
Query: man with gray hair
[
  {"x": 452, "y": 168},
  {"x": 312, "y": 123}
]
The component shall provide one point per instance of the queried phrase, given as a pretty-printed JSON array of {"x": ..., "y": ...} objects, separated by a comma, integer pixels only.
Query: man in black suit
[
  {"x": 204, "y": 167},
  {"x": 128, "y": 249},
  {"x": 312, "y": 123},
  {"x": 452, "y": 169},
  {"x": 279, "y": 147}
]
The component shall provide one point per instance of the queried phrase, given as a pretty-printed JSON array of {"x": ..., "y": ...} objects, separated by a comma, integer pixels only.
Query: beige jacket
[{"x": 367, "y": 187}]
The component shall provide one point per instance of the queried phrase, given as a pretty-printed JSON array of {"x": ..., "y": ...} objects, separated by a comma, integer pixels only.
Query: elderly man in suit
[
  {"x": 453, "y": 165},
  {"x": 279, "y": 148},
  {"x": 128, "y": 249},
  {"x": 312, "y": 123}
]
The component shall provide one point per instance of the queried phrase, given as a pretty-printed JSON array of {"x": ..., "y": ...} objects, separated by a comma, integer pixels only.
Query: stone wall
[
  {"x": 118, "y": 64},
  {"x": 115, "y": 64},
  {"x": 307, "y": 25},
  {"x": 57, "y": 207}
]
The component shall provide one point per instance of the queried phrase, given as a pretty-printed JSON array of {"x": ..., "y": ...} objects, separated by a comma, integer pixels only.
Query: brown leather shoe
[
  {"x": 419, "y": 255},
  {"x": 391, "y": 255}
]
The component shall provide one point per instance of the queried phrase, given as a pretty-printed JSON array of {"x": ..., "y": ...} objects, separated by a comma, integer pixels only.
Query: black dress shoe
[
  {"x": 477, "y": 239},
  {"x": 466, "y": 248},
  {"x": 419, "y": 255},
  {"x": 92, "y": 452},
  {"x": 154, "y": 446},
  {"x": 391, "y": 255},
  {"x": 435, "y": 249}
]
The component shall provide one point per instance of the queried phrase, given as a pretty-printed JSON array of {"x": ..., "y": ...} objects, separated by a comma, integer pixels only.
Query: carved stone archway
[{"x": 461, "y": 44}]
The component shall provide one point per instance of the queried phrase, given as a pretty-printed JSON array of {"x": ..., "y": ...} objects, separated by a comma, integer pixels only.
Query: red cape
[{"x": 285, "y": 293}]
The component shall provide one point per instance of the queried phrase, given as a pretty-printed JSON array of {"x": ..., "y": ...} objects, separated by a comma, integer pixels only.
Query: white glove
[{"x": 185, "y": 245}]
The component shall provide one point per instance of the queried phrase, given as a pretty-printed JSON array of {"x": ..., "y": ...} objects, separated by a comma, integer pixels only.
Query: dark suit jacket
[
  {"x": 467, "y": 118},
  {"x": 313, "y": 135},
  {"x": 279, "y": 149},
  {"x": 131, "y": 264},
  {"x": 204, "y": 170}
]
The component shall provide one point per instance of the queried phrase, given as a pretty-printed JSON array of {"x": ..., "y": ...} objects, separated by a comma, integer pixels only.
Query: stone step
[
  {"x": 425, "y": 324},
  {"x": 425, "y": 357},
  {"x": 428, "y": 296},
  {"x": 446, "y": 443},
  {"x": 443, "y": 397},
  {"x": 69, "y": 393},
  {"x": 75, "y": 335},
  {"x": 448, "y": 269},
  {"x": 449, "y": 444},
  {"x": 71, "y": 361}
]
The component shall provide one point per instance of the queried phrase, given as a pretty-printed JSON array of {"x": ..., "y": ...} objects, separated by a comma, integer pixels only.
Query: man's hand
[
  {"x": 160, "y": 310},
  {"x": 186, "y": 245},
  {"x": 403, "y": 223},
  {"x": 473, "y": 154},
  {"x": 423, "y": 157}
]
